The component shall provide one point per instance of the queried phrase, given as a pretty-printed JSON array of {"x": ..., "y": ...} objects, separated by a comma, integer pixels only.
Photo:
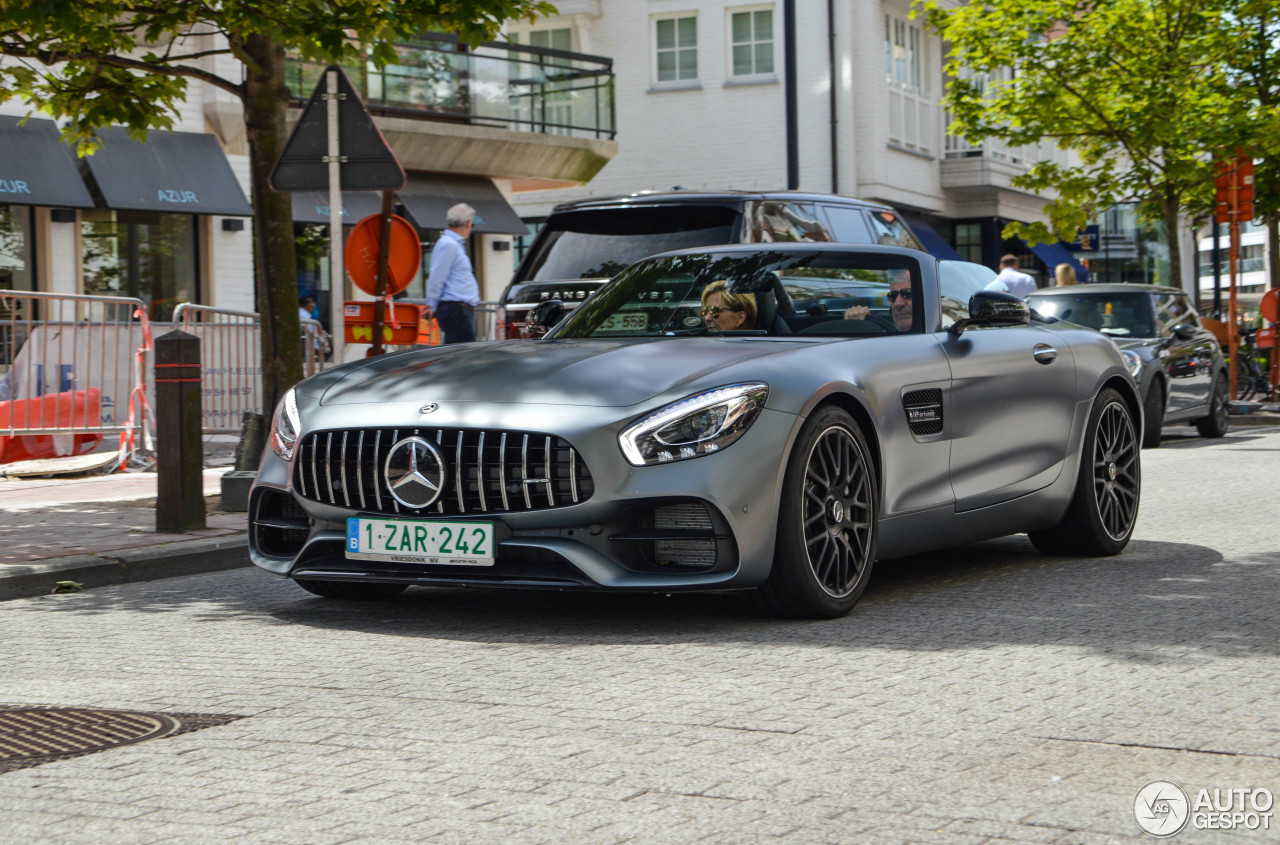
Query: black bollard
[{"x": 179, "y": 453}]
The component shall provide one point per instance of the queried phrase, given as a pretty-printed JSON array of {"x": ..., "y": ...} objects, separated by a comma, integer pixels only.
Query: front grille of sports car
[{"x": 486, "y": 470}]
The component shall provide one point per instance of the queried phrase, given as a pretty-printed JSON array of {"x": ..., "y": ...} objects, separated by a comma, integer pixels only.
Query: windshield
[
  {"x": 1115, "y": 314},
  {"x": 758, "y": 292},
  {"x": 599, "y": 243}
]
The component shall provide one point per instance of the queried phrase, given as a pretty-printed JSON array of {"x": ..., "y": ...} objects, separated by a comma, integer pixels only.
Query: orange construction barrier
[{"x": 70, "y": 409}]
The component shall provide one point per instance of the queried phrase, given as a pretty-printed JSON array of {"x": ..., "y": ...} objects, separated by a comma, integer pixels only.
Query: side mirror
[
  {"x": 993, "y": 308},
  {"x": 1182, "y": 331},
  {"x": 543, "y": 316}
]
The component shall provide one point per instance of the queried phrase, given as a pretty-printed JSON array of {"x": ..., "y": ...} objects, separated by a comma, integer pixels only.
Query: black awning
[
  {"x": 428, "y": 196},
  {"x": 933, "y": 242},
  {"x": 1053, "y": 254},
  {"x": 174, "y": 172},
  {"x": 36, "y": 168},
  {"x": 313, "y": 206}
]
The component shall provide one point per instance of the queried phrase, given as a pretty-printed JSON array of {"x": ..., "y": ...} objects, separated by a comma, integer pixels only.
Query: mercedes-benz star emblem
[{"x": 415, "y": 472}]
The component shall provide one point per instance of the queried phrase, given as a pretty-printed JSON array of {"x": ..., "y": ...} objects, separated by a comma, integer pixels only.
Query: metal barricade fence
[
  {"x": 72, "y": 369},
  {"x": 231, "y": 361}
]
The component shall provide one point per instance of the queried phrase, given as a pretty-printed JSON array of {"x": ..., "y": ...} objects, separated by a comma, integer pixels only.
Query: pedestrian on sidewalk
[
  {"x": 452, "y": 290},
  {"x": 1012, "y": 280}
]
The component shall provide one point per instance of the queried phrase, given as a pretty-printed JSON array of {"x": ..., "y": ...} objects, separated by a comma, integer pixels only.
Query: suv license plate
[{"x": 420, "y": 541}]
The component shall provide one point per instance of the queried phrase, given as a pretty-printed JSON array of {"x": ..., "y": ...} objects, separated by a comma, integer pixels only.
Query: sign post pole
[
  {"x": 380, "y": 310},
  {"x": 337, "y": 284},
  {"x": 1233, "y": 203}
]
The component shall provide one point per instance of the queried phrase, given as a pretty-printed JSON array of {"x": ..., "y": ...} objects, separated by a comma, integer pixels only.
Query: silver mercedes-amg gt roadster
[{"x": 769, "y": 417}]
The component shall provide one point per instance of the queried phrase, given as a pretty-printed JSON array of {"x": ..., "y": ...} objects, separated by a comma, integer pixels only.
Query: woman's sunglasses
[
  {"x": 893, "y": 295},
  {"x": 713, "y": 311}
]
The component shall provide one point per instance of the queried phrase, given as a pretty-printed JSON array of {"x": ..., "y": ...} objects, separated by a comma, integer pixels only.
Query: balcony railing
[
  {"x": 993, "y": 148},
  {"x": 508, "y": 86}
]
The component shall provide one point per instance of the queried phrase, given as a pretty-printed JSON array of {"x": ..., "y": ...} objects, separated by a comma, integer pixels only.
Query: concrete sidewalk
[{"x": 99, "y": 530}]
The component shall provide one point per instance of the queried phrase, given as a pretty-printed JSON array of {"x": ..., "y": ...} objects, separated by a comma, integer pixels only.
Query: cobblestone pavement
[{"x": 989, "y": 694}]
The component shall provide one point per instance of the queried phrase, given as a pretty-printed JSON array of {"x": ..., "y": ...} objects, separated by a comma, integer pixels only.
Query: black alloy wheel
[
  {"x": 1115, "y": 475},
  {"x": 826, "y": 523},
  {"x": 1104, "y": 507},
  {"x": 1219, "y": 419}
]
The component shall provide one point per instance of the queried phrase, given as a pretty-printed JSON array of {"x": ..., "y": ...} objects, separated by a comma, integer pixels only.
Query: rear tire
[
  {"x": 1153, "y": 417},
  {"x": 1219, "y": 419},
  {"x": 1104, "y": 507},
  {"x": 826, "y": 543},
  {"x": 351, "y": 590}
]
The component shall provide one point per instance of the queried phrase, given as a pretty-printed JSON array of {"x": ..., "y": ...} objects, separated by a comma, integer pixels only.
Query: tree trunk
[
  {"x": 266, "y": 103},
  {"x": 1170, "y": 206}
]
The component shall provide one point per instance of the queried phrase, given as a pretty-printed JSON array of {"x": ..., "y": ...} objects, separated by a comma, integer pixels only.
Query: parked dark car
[
  {"x": 586, "y": 242},
  {"x": 1177, "y": 362},
  {"x": 642, "y": 447}
]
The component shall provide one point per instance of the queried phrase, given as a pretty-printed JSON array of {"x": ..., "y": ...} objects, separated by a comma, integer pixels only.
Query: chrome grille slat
[
  {"x": 377, "y": 471},
  {"x": 328, "y": 467},
  {"x": 360, "y": 469},
  {"x": 346, "y": 498},
  {"x": 502, "y": 470},
  {"x": 558, "y": 471},
  {"x": 480, "y": 479},
  {"x": 546, "y": 471},
  {"x": 524, "y": 471},
  {"x": 457, "y": 475}
]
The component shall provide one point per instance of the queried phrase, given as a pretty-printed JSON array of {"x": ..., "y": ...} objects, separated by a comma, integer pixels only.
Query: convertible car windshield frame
[{"x": 810, "y": 292}]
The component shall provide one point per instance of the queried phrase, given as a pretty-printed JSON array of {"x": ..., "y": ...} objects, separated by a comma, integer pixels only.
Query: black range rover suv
[{"x": 586, "y": 242}]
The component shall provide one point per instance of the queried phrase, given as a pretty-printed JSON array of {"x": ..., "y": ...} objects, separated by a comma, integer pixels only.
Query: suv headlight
[
  {"x": 285, "y": 426},
  {"x": 694, "y": 426},
  {"x": 1133, "y": 361}
]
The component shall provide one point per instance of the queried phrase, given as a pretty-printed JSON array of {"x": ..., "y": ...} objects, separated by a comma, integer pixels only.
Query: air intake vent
[
  {"x": 684, "y": 553},
  {"x": 924, "y": 411},
  {"x": 485, "y": 471}
]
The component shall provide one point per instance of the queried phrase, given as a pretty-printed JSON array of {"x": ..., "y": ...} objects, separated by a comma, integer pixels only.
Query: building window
[
  {"x": 968, "y": 241},
  {"x": 16, "y": 272},
  {"x": 521, "y": 243},
  {"x": 910, "y": 106},
  {"x": 752, "y": 47},
  {"x": 676, "y": 41},
  {"x": 552, "y": 39},
  {"x": 146, "y": 255}
]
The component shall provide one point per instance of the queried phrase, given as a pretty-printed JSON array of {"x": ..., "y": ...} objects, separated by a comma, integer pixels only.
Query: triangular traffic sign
[{"x": 367, "y": 163}]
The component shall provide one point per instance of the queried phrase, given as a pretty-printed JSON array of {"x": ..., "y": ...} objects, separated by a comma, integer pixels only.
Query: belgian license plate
[{"x": 420, "y": 541}]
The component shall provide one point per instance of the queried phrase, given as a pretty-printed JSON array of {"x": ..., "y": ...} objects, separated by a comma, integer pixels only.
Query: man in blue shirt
[{"x": 452, "y": 290}]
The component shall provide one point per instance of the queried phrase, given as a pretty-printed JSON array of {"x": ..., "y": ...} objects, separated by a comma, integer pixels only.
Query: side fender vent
[{"x": 924, "y": 411}]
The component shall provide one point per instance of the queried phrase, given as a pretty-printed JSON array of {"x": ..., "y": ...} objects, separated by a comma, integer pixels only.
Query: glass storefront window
[
  {"x": 142, "y": 254},
  {"x": 16, "y": 270}
]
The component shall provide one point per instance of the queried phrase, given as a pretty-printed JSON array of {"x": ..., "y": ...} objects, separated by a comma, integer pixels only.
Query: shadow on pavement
[{"x": 1136, "y": 606}]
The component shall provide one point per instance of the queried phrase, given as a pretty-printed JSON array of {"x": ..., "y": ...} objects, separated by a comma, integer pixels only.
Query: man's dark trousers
[{"x": 457, "y": 320}]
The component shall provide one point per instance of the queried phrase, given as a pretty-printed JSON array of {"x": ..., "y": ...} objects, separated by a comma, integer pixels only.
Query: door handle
[{"x": 1044, "y": 353}]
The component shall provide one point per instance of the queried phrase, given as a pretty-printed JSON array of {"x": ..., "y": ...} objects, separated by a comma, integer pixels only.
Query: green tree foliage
[
  {"x": 96, "y": 63},
  {"x": 1146, "y": 93}
]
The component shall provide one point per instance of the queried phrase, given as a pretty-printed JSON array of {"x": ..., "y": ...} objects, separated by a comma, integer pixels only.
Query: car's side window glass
[
  {"x": 1173, "y": 309},
  {"x": 848, "y": 225},
  {"x": 889, "y": 230},
  {"x": 787, "y": 222}
]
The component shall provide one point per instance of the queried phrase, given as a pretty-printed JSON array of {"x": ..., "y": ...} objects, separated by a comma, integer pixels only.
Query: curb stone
[{"x": 147, "y": 563}]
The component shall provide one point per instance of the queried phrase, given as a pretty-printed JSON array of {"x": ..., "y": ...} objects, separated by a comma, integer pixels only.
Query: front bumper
[{"x": 705, "y": 523}]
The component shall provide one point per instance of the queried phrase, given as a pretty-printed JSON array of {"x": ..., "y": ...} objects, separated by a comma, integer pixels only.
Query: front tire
[
  {"x": 1219, "y": 420},
  {"x": 351, "y": 590},
  {"x": 1104, "y": 507},
  {"x": 1153, "y": 417},
  {"x": 827, "y": 519}
]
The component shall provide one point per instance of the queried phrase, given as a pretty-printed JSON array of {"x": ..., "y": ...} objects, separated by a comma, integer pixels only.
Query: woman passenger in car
[{"x": 724, "y": 311}]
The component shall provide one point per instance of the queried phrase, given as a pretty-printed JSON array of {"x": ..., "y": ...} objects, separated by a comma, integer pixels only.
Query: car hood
[{"x": 556, "y": 372}]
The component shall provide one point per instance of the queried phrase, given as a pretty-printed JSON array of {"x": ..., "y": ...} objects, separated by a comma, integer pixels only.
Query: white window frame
[
  {"x": 655, "y": 50},
  {"x": 754, "y": 76},
  {"x": 912, "y": 110}
]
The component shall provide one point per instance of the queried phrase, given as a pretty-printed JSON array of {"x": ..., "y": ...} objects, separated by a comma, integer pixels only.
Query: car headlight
[
  {"x": 285, "y": 426},
  {"x": 1133, "y": 361},
  {"x": 695, "y": 426}
]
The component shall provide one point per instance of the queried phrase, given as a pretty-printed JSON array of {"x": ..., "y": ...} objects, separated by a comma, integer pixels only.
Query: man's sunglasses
[
  {"x": 892, "y": 295},
  {"x": 713, "y": 311}
]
